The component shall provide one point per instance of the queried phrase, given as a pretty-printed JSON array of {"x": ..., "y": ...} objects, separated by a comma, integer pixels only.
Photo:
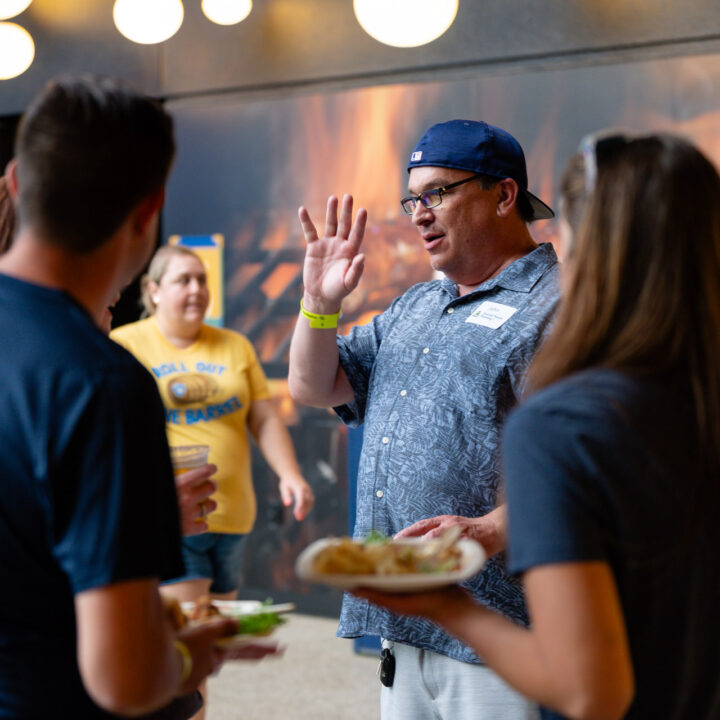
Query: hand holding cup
[{"x": 194, "y": 486}]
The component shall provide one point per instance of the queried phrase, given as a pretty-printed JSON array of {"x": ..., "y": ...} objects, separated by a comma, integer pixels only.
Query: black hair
[{"x": 88, "y": 150}]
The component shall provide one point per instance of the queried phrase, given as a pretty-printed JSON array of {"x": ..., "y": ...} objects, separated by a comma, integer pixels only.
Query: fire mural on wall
[
  {"x": 326, "y": 156},
  {"x": 244, "y": 167}
]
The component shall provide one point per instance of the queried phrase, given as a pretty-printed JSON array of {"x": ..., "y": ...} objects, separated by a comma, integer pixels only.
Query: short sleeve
[
  {"x": 556, "y": 503},
  {"x": 111, "y": 492},
  {"x": 358, "y": 351}
]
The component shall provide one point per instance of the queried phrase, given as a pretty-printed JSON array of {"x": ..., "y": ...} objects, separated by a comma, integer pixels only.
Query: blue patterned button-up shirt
[{"x": 434, "y": 377}]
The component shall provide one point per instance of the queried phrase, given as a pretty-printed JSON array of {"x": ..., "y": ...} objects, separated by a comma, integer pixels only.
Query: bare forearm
[
  {"x": 150, "y": 680},
  {"x": 315, "y": 375},
  {"x": 516, "y": 654},
  {"x": 129, "y": 661},
  {"x": 274, "y": 442},
  {"x": 331, "y": 271},
  {"x": 128, "y": 664},
  {"x": 574, "y": 659},
  {"x": 506, "y": 647},
  {"x": 273, "y": 438}
]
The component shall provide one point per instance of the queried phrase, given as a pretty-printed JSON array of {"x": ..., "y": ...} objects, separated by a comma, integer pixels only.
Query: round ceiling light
[
  {"x": 11, "y": 8},
  {"x": 148, "y": 21},
  {"x": 405, "y": 23},
  {"x": 226, "y": 12},
  {"x": 17, "y": 50}
]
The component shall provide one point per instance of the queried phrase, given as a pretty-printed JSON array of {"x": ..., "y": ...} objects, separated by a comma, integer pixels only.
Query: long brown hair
[
  {"x": 642, "y": 283},
  {"x": 7, "y": 216}
]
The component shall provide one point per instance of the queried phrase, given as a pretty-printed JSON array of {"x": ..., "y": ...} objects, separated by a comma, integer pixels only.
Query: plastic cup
[{"x": 188, "y": 457}]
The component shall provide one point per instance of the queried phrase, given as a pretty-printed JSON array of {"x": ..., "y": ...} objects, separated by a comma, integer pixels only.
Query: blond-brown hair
[
  {"x": 642, "y": 287},
  {"x": 156, "y": 270}
]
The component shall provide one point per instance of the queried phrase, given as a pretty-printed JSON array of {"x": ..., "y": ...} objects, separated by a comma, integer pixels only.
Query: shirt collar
[{"x": 520, "y": 276}]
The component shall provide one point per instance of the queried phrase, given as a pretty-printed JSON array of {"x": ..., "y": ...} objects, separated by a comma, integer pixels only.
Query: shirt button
[
  {"x": 451, "y": 311},
  {"x": 379, "y": 493},
  {"x": 385, "y": 440},
  {"x": 426, "y": 351},
  {"x": 403, "y": 393}
]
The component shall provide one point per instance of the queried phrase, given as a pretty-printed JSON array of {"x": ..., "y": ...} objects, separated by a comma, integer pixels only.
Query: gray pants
[{"x": 429, "y": 686}]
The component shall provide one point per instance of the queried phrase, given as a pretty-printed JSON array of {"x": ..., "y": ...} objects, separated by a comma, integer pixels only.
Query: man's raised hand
[{"x": 333, "y": 263}]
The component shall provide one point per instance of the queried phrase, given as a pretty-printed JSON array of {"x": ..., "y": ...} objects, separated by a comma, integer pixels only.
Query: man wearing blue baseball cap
[{"x": 432, "y": 380}]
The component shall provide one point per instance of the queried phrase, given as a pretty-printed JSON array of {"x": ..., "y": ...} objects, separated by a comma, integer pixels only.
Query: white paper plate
[
  {"x": 236, "y": 609},
  {"x": 472, "y": 560},
  {"x": 229, "y": 607}
]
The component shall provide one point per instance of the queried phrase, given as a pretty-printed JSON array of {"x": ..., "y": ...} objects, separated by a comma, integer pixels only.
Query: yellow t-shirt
[{"x": 207, "y": 389}]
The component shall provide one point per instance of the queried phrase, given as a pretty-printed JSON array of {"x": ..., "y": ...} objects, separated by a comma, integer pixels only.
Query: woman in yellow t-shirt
[{"x": 214, "y": 391}]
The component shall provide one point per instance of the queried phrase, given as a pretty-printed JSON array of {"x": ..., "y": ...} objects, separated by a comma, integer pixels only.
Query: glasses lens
[
  {"x": 408, "y": 205},
  {"x": 431, "y": 198}
]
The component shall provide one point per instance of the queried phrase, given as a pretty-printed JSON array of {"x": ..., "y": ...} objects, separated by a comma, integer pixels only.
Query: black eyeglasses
[
  {"x": 432, "y": 198},
  {"x": 597, "y": 148}
]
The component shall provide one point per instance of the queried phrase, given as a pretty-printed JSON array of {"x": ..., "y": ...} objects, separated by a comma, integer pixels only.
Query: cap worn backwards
[{"x": 478, "y": 148}]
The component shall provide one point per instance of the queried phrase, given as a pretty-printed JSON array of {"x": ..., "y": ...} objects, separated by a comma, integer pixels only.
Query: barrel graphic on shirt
[{"x": 191, "y": 388}]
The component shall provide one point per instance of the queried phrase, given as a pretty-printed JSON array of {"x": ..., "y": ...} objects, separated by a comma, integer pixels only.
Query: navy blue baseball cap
[{"x": 478, "y": 148}]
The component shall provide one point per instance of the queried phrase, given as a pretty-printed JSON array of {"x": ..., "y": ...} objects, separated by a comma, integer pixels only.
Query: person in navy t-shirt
[{"x": 88, "y": 512}]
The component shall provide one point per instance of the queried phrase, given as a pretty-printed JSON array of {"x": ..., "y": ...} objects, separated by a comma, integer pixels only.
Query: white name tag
[{"x": 491, "y": 314}]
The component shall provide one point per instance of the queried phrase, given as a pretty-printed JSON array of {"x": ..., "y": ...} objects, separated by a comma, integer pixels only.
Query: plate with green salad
[{"x": 255, "y": 620}]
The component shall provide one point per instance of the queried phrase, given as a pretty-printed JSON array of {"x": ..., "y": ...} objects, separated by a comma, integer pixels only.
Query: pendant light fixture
[
  {"x": 148, "y": 21},
  {"x": 11, "y": 8},
  {"x": 17, "y": 50},
  {"x": 405, "y": 23},
  {"x": 226, "y": 12}
]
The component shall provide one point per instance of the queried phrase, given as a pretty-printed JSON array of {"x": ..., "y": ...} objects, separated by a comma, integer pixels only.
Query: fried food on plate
[{"x": 378, "y": 555}]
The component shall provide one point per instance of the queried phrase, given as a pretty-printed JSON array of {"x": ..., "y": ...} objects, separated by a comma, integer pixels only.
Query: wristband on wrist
[
  {"x": 320, "y": 321},
  {"x": 187, "y": 661}
]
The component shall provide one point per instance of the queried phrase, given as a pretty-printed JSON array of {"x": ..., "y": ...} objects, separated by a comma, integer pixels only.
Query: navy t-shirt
[
  {"x": 88, "y": 497},
  {"x": 600, "y": 467}
]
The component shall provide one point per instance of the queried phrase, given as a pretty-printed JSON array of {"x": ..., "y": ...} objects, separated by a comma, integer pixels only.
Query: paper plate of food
[
  {"x": 255, "y": 620},
  {"x": 403, "y": 565}
]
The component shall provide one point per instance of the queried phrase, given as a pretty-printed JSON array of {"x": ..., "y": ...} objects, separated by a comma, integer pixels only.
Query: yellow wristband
[
  {"x": 320, "y": 321},
  {"x": 187, "y": 661}
]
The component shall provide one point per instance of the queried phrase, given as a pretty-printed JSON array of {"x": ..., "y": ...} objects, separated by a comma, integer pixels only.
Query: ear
[
  {"x": 507, "y": 190},
  {"x": 152, "y": 288},
  {"x": 12, "y": 182},
  {"x": 147, "y": 209}
]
